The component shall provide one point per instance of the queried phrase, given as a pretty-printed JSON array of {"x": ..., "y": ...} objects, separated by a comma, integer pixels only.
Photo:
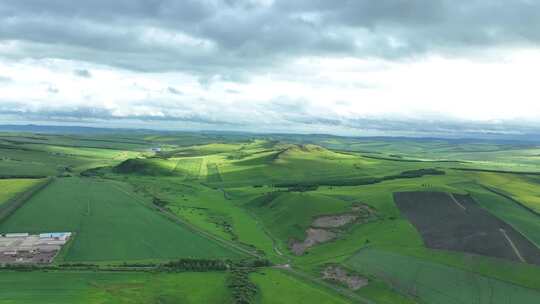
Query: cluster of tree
[
  {"x": 302, "y": 188},
  {"x": 159, "y": 202},
  {"x": 212, "y": 264},
  {"x": 196, "y": 265},
  {"x": 420, "y": 173},
  {"x": 243, "y": 290},
  {"x": 69, "y": 265},
  {"x": 94, "y": 172},
  {"x": 497, "y": 171},
  {"x": 360, "y": 181},
  {"x": 251, "y": 263},
  {"x": 3, "y": 176}
]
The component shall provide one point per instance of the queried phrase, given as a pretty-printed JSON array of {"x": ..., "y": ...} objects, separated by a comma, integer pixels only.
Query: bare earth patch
[
  {"x": 363, "y": 210},
  {"x": 314, "y": 236},
  {"x": 338, "y": 274},
  {"x": 334, "y": 221},
  {"x": 327, "y": 227}
]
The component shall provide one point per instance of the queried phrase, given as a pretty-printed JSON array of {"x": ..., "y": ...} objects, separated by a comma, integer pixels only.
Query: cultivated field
[
  {"x": 109, "y": 223},
  {"x": 455, "y": 222}
]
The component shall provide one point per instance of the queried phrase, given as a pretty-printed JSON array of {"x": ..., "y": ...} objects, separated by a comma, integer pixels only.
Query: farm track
[
  {"x": 518, "y": 254},
  {"x": 456, "y": 201}
]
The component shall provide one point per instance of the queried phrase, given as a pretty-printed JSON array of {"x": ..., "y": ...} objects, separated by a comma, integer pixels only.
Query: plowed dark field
[{"x": 457, "y": 223}]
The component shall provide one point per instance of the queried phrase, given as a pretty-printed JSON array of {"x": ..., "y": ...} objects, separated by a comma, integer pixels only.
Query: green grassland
[
  {"x": 109, "y": 224},
  {"x": 9, "y": 188},
  {"x": 111, "y": 288},
  {"x": 289, "y": 214}
]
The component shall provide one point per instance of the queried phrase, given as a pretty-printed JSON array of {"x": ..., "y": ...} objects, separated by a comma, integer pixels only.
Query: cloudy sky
[{"x": 357, "y": 67}]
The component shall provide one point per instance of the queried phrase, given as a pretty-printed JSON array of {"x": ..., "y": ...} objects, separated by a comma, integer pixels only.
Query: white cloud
[{"x": 310, "y": 88}]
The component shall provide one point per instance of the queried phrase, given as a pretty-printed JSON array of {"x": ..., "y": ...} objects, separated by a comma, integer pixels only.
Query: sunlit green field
[
  {"x": 9, "y": 188},
  {"x": 277, "y": 287}
]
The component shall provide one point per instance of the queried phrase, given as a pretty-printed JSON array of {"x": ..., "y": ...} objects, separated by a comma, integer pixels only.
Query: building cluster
[{"x": 35, "y": 248}]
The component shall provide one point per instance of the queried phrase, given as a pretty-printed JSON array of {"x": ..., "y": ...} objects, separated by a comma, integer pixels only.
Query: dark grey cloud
[
  {"x": 234, "y": 37},
  {"x": 269, "y": 117},
  {"x": 174, "y": 91},
  {"x": 97, "y": 113},
  {"x": 4, "y": 79},
  {"x": 82, "y": 73},
  {"x": 53, "y": 89}
]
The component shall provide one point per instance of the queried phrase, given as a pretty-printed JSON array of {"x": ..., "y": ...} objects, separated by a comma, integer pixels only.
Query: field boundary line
[
  {"x": 516, "y": 251},
  {"x": 8, "y": 208},
  {"x": 508, "y": 197},
  {"x": 190, "y": 226}
]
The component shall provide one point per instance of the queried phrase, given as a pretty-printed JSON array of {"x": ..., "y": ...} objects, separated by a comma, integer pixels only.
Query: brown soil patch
[
  {"x": 338, "y": 274},
  {"x": 333, "y": 221},
  {"x": 327, "y": 227},
  {"x": 363, "y": 210},
  {"x": 314, "y": 236}
]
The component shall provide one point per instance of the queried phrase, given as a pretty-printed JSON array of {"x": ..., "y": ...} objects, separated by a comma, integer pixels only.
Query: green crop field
[
  {"x": 109, "y": 224},
  {"x": 437, "y": 283},
  {"x": 111, "y": 288}
]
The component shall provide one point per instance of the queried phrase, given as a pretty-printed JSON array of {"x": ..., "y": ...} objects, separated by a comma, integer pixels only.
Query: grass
[
  {"x": 109, "y": 224},
  {"x": 9, "y": 188},
  {"x": 112, "y": 288},
  {"x": 275, "y": 287}
]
